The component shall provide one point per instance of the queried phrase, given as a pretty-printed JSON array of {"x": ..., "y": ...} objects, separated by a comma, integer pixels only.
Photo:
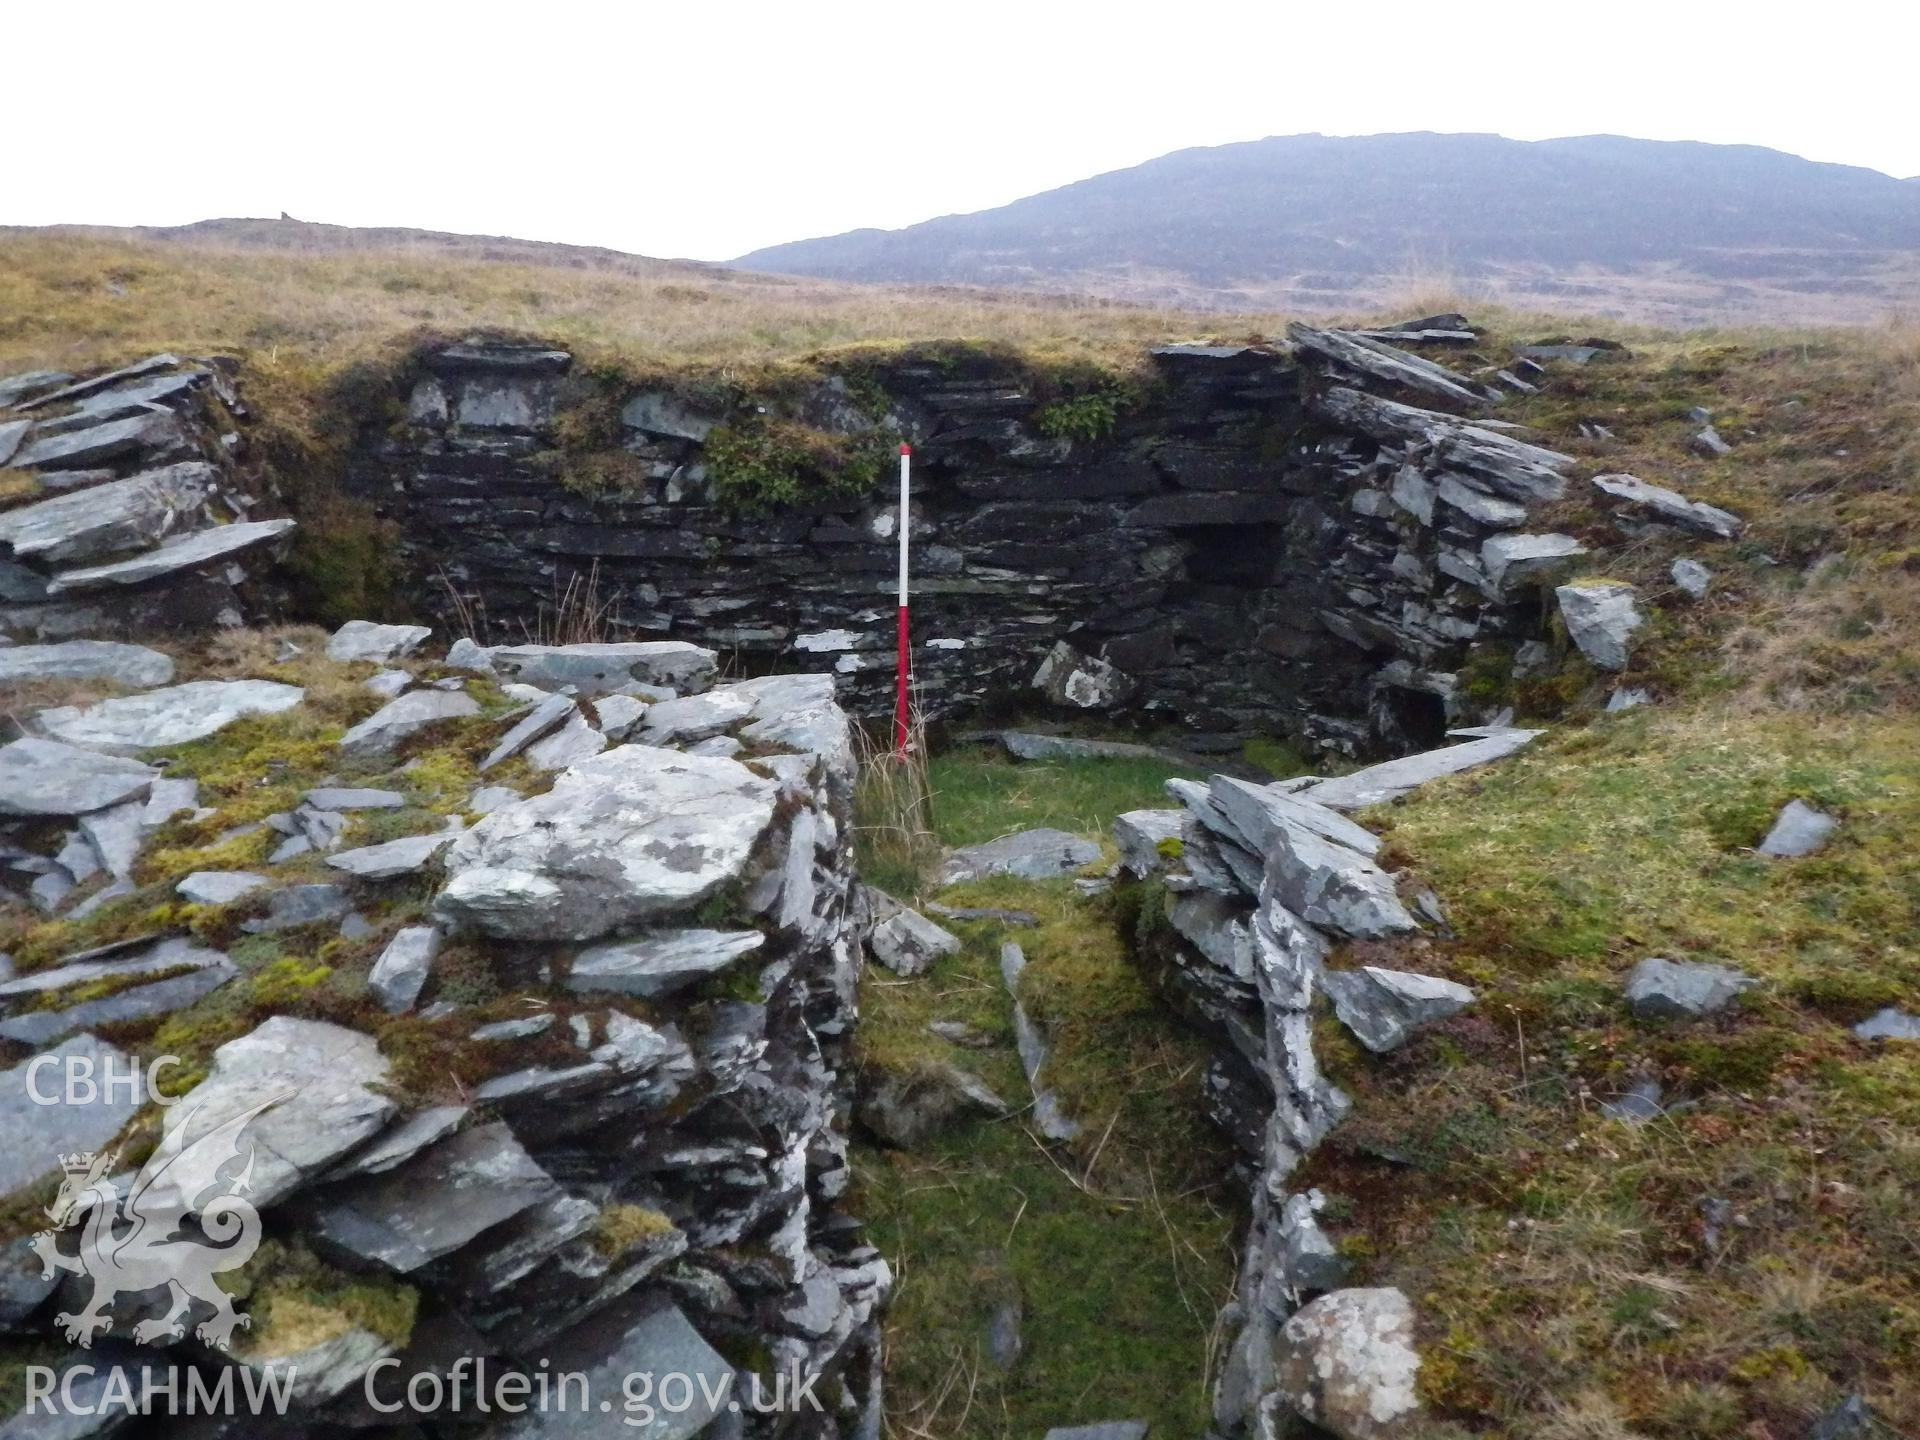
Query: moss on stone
[
  {"x": 298, "y": 1301},
  {"x": 620, "y": 1227},
  {"x": 762, "y": 462}
]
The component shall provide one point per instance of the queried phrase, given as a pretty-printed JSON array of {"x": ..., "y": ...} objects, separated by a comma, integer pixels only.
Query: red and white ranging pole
[{"x": 900, "y": 679}]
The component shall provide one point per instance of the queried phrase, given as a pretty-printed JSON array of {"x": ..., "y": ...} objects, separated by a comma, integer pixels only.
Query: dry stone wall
[
  {"x": 1266, "y": 539},
  {"x": 131, "y": 503}
]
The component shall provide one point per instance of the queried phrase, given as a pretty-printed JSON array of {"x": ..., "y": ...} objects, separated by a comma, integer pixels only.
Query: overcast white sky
[{"x": 706, "y": 130}]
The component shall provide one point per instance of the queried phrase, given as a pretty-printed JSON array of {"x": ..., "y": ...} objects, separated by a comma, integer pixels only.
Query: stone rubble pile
[
  {"x": 639, "y": 1169},
  {"x": 1262, "y": 883},
  {"x": 130, "y": 504}
]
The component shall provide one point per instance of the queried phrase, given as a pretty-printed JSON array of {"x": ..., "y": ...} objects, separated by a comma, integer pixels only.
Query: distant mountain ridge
[{"x": 1322, "y": 220}]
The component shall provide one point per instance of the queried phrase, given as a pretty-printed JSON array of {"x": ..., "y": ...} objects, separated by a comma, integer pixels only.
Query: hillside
[
  {"x": 287, "y": 235},
  {"x": 1677, "y": 232}
]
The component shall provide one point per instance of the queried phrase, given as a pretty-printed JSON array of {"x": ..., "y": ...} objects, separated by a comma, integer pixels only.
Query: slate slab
[
  {"x": 1663, "y": 989},
  {"x": 630, "y": 835},
  {"x": 33, "y": 1136},
  {"x": 1041, "y": 854},
  {"x": 1798, "y": 830},
  {"x": 659, "y": 964},
  {"x": 325, "y": 1078},
  {"x": 50, "y": 777},
  {"x": 171, "y": 716},
  {"x": 399, "y": 719},
  {"x": 431, "y": 1205},
  {"x": 366, "y": 640},
  {"x": 1380, "y": 784},
  {"x": 134, "y": 666}
]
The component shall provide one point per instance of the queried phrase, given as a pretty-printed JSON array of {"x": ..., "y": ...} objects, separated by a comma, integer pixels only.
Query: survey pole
[{"x": 900, "y": 677}]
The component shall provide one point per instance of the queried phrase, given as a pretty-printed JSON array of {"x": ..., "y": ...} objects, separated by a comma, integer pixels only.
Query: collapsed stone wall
[
  {"x": 1262, "y": 541},
  {"x": 1257, "y": 888},
  {"x": 134, "y": 504},
  {"x": 627, "y": 1160}
]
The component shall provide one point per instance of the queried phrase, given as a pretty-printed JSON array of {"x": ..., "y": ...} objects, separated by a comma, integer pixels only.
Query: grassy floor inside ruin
[{"x": 1118, "y": 1247}]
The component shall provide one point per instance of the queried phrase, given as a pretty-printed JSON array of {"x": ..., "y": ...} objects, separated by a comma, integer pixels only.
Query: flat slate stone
[
  {"x": 628, "y": 836},
  {"x": 546, "y": 716},
  {"x": 404, "y": 717},
  {"x": 660, "y": 413},
  {"x": 122, "y": 962},
  {"x": 170, "y": 557},
  {"x": 601, "y": 669},
  {"x": 129, "y": 397},
  {"x": 694, "y": 717},
  {"x": 33, "y": 1136},
  {"x": 173, "y": 716},
  {"x": 49, "y": 777},
  {"x": 1338, "y": 889},
  {"x": 179, "y": 795},
  {"x": 335, "y": 797},
  {"x": 1601, "y": 620},
  {"x": 965, "y": 914},
  {"x": 638, "y": 1335},
  {"x": 323, "y": 1079},
  {"x": 1662, "y": 989},
  {"x": 1384, "y": 1007},
  {"x": 1041, "y": 854},
  {"x": 660, "y": 964},
  {"x": 618, "y": 716},
  {"x": 1889, "y": 1024},
  {"x": 134, "y": 666},
  {"x": 1692, "y": 577},
  {"x": 525, "y": 1029},
  {"x": 207, "y": 971},
  {"x": 218, "y": 887},
  {"x": 1144, "y": 838},
  {"x": 299, "y": 905},
  {"x": 908, "y": 943},
  {"x": 573, "y": 742},
  {"x": 799, "y": 713},
  {"x": 395, "y": 857},
  {"x": 1105, "y": 1430},
  {"x": 1380, "y": 784},
  {"x": 24, "y": 386},
  {"x": 1029, "y": 745},
  {"x": 1637, "y": 1104},
  {"x": 1511, "y": 560},
  {"x": 904, "y": 1108},
  {"x": 489, "y": 798},
  {"x": 366, "y": 640},
  {"x": 1798, "y": 830},
  {"x": 99, "y": 444},
  {"x": 1658, "y": 504},
  {"x": 1257, "y": 814},
  {"x": 403, "y": 1141},
  {"x": 106, "y": 380},
  {"x": 434, "y": 1203},
  {"x": 122, "y": 515}
]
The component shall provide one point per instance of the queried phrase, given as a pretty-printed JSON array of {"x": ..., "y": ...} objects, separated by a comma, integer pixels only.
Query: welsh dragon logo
[{"x": 182, "y": 1222}]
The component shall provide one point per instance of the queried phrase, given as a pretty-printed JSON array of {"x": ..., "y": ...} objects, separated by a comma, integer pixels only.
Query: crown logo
[{"x": 78, "y": 1163}]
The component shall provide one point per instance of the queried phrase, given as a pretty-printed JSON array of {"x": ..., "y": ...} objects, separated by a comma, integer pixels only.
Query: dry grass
[
  {"x": 72, "y": 303},
  {"x": 893, "y": 811}
]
